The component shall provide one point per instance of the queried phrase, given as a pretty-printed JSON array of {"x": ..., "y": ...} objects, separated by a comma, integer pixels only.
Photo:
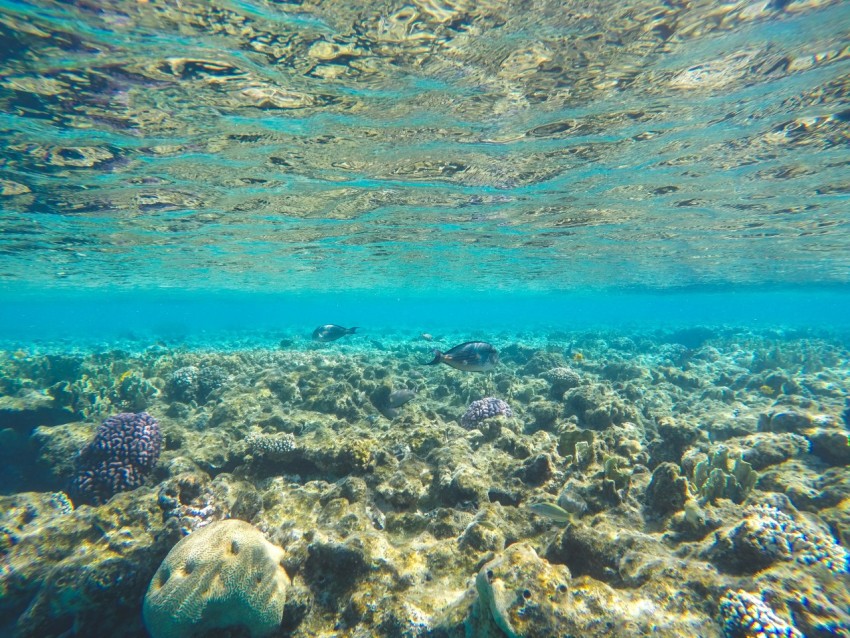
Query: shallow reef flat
[{"x": 687, "y": 482}]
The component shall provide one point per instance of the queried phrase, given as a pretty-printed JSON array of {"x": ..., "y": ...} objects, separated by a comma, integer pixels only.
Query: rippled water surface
[{"x": 431, "y": 145}]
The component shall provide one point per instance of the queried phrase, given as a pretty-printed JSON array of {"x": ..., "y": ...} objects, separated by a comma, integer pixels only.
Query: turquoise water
[
  {"x": 643, "y": 206},
  {"x": 261, "y": 319},
  {"x": 272, "y": 146}
]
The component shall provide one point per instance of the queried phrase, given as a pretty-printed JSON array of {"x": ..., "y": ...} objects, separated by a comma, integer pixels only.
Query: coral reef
[
  {"x": 562, "y": 379},
  {"x": 221, "y": 576},
  {"x": 677, "y": 478},
  {"x": 714, "y": 478},
  {"x": 124, "y": 450},
  {"x": 484, "y": 409},
  {"x": 745, "y": 615},
  {"x": 767, "y": 534}
]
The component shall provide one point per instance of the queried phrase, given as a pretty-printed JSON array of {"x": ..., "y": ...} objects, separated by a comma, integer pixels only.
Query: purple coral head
[
  {"x": 124, "y": 450},
  {"x": 482, "y": 409}
]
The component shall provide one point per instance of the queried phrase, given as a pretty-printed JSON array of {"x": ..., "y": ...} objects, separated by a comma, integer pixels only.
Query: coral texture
[
  {"x": 766, "y": 534},
  {"x": 746, "y": 616},
  {"x": 484, "y": 409},
  {"x": 220, "y": 576},
  {"x": 124, "y": 450}
]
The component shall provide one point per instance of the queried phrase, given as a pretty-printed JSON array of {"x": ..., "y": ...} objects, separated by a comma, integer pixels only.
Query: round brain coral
[
  {"x": 124, "y": 450},
  {"x": 224, "y": 575}
]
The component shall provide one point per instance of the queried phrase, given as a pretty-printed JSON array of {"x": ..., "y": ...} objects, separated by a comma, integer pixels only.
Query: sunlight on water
[{"x": 334, "y": 145}]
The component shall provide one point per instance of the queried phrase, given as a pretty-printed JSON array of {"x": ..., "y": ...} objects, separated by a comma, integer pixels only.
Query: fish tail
[
  {"x": 351, "y": 331},
  {"x": 438, "y": 356}
]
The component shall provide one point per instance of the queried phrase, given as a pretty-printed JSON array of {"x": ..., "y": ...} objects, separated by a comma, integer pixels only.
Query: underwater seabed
[{"x": 694, "y": 479}]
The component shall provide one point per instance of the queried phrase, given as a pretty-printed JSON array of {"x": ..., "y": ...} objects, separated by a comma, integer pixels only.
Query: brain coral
[
  {"x": 124, "y": 450},
  {"x": 223, "y": 575}
]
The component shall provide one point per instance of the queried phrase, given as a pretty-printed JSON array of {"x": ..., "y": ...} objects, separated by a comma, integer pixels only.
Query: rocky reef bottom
[{"x": 687, "y": 482}]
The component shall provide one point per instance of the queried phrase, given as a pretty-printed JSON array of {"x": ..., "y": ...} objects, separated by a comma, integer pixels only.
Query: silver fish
[
  {"x": 331, "y": 332},
  {"x": 472, "y": 356},
  {"x": 552, "y": 511}
]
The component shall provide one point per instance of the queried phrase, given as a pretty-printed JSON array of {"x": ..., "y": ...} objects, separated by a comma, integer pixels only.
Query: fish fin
[
  {"x": 438, "y": 356},
  {"x": 351, "y": 331}
]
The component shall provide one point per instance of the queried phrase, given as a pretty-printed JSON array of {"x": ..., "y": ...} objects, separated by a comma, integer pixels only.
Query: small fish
[
  {"x": 331, "y": 332},
  {"x": 472, "y": 356},
  {"x": 400, "y": 397},
  {"x": 552, "y": 511},
  {"x": 427, "y": 336}
]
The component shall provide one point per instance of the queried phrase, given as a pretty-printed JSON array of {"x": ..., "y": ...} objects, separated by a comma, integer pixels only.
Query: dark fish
[
  {"x": 472, "y": 356},
  {"x": 400, "y": 397},
  {"x": 331, "y": 332}
]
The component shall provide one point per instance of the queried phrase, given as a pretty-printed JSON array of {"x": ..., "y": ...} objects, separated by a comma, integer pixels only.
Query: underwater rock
[
  {"x": 220, "y": 576},
  {"x": 522, "y": 595},
  {"x": 745, "y": 615},
  {"x": 808, "y": 488},
  {"x": 545, "y": 413},
  {"x": 562, "y": 379},
  {"x": 597, "y": 407},
  {"x": 597, "y": 552},
  {"x": 401, "y": 490},
  {"x": 123, "y": 452},
  {"x": 30, "y": 409},
  {"x": 577, "y": 443},
  {"x": 536, "y": 470},
  {"x": 621, "y": 371},
  {"x": 667, "y": 491},
  {"x": 333, "y": 568},
  {"x": 674, "y": 437},
  {"x": 195, "y": 383},
  {"x": 132, "y": 392},
  {"x": 830, "y": 445},
  {"x": 24, "y": 512},
  {"x": 817, "y": 600},
  {"x": 765, "y": 449},
  {"x": 534, "y": 360},
  {"x": 209, "y": 379},
  {"x": 784, "y": 422},
  {"x": 694, "y": 522},
  {"x": 55, "y": 449},
  {"x": 339, "y": 399},
  {"x": 83, "y": 571}
]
